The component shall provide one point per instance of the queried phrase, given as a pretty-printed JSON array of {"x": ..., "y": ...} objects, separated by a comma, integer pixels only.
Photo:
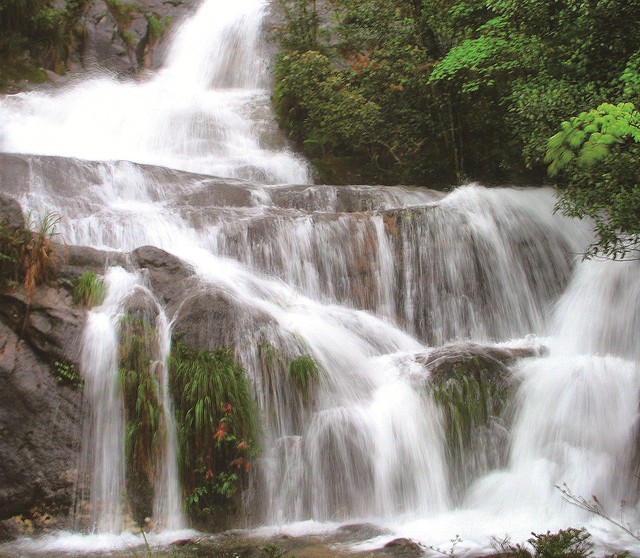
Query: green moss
[
  {"x": 469, "y": 399},
  {"x": 141, "y": 396}
]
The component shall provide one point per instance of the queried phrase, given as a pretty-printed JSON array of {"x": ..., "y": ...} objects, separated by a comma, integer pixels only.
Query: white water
[
  {"x": 362, "y": 292},
  {"x": 102, "y": 463},
  {"x": 206, "y": 111}
]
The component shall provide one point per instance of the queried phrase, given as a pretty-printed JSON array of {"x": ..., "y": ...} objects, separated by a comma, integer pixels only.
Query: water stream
[{"x": 368, "y": 280}]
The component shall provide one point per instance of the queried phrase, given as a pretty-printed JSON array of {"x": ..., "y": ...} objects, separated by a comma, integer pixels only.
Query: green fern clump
[
  {"x": 89, "y": 290},
  {"x": 216, "y": 426}
]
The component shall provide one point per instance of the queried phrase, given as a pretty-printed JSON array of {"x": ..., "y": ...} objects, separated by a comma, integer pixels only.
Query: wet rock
[
  {"x": 105, "y": 48},
  {"x": 205, "y": 321},
  {"x": 9, "y": 530},
  {"x": 443, "y": 362},
  {"x": 48, "y": 323},
  {"x": 10, "y": 212},
  {"x": 170, "y": 278},
  {"x": 401, "y": 548},
  {"x": 39, "y": 415},
  {"x": 78, "y": 259},
  {"x": 358, "y": 532}
]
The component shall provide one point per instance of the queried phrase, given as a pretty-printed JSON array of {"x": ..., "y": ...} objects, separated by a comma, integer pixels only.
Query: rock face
[
  {"x": 131, "y": 45},
  {"x": 39, "y": 409}
]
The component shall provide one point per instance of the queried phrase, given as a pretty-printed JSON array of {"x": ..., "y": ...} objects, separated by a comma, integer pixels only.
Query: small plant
[
  {"x": 89, "y": 290},
  {"x": 272, "y": 550},
  {"x": 303, "y": 372},
  {"x": 451, "y": 553},
  {"x": 28, "y": 254},
  {"x": 572, "y": 543},
  {"x": 595, "y": 507},
  {"x": 566, "y": 543},
  {"x": 67, "y": 374}
]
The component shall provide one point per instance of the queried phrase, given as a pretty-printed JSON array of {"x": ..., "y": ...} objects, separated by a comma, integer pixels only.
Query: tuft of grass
[
  {"x": 303, "y": 372},
  {"x": 89, "y": 290},
  {"x": 28, "y": 254}
]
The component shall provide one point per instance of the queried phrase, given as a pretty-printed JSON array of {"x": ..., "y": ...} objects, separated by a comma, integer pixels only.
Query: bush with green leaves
[
  {"x": 597, "y": 158},
  {"x": 436, "y": 92},
  {"x": 39, "y": 33}
]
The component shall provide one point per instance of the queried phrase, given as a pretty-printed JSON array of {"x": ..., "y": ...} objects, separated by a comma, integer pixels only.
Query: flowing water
[{"x": 370, "y": 281}]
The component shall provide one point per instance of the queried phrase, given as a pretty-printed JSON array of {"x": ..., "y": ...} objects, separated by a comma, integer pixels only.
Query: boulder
[
  {"x": 169, "y": 277},
  {"x": 105, "y": 48},
  {"x": 444, "y": 362}
]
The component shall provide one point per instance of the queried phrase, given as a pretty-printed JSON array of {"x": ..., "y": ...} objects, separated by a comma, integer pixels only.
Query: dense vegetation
[
  {"x": 435, "y": 92},
  {"x": 51, "y": 34},
  {"x": 37, "y": 34},
  {"x": 216, "y": 429}
]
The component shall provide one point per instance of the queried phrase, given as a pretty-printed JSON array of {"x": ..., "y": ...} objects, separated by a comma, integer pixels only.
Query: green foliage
[
  {"x": 28, "y": 254},
  {"x": 419, "y": 92},
  {"x": 89, "y": 290},
  {"x": 302, "y": 29},
  {"x": 300, "y": 372},
  {"x": 571, "y": 543},
  {"x": 37, "y": 33},
  {"x": 468, "y": 399},
  {"x": 303, "y": 372},
  {"x": 157, "y": 26},
  {"x": 479, "y": 62},
  {"x": 216, "y": 426},
  {"x": 67, "y": 374},
  {"x": 122, "y": 12},
  {"x": 590, "y": 135},
  {"x": 598, "y": 156}
]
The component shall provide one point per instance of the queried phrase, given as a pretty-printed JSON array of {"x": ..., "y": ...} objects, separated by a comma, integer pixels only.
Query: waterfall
[
  {"x": 373, "y": 283},
  {"x": 207, "y": 111},
  {"x": 102, "y": 465}
]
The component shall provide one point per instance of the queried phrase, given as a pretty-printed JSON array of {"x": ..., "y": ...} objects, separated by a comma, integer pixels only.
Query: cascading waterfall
[
  {"x": 206, "y": 111},
  {"x": 369, "y": 281},
  {"x": 102, "y": 465}
]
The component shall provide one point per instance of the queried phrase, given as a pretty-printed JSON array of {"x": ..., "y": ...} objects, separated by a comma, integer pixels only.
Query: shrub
[
  {"x": 28, "y": 254},
  {"x": 67, "y": 374}
]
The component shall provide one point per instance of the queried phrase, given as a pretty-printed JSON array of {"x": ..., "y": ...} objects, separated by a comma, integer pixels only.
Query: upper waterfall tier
[{"x": 207, "y": 111}]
